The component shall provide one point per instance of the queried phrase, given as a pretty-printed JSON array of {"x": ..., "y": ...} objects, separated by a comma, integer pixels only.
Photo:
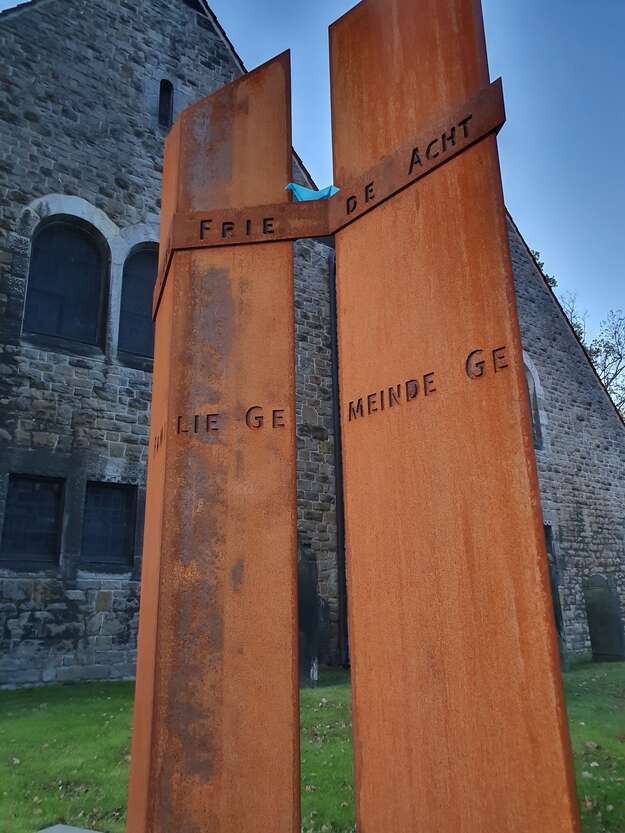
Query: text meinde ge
[{"x": 478, "y": 364}]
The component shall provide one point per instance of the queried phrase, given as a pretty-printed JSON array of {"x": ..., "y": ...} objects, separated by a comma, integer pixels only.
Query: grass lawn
[
  {"x": 595, "y": 700},
  {"x": 64, "y": 753}
]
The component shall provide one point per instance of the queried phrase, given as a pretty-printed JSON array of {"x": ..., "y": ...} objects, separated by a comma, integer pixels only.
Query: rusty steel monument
[{"x": 459, "y": 722}]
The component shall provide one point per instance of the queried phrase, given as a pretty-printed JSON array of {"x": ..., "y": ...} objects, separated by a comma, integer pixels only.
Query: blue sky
[{"x": 564, "y": 83}]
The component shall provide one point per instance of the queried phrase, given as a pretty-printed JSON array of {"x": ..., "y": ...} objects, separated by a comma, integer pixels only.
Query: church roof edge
[
  {"x": 565, "y": 316},
  {"x": 210, "y": 14}
]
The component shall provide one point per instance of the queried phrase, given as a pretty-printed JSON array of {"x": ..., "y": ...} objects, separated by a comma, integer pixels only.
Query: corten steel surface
[
  {"x": 475, "y": 119},
  {"x": 459, "y": 722},
  {"x": 215, "y": 744}
]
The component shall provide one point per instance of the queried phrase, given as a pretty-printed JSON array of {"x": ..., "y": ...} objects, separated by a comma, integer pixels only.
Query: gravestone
[
  {"x": 459, "y": 722},
  {"x": 605, "y": 625},
  {"x": 309, "y": 617},
  {"x": 63, "y": 828}
]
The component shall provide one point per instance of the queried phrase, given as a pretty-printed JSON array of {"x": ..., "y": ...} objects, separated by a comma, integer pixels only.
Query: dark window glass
[
  {"x": 166, "y": 104},
  {"x": 31, "y": 533},
  {"x": 109, "y": 527},
  {"x": 65, "y": 285},
  {"x": 136, "y": 329}
]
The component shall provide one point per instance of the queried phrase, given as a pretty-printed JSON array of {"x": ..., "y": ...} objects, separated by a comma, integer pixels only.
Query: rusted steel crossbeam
[{"x": 478, "y": 117}]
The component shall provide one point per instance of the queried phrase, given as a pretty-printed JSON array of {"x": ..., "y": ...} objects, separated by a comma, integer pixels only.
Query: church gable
[
  {"x": 549, "y": 336},
  {"x": 207, "y": 19},
  {"x": 579, "y": 438}
]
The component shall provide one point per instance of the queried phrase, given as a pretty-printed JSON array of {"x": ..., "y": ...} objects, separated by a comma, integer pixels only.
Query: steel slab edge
[
  {"x": 459, "y": 723},
  {"x": 215, "y": 744}
]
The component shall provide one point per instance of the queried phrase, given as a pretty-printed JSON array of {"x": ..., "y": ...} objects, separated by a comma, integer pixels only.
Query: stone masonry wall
[
  {"x": 79, "y": 138},
  {"x": 78, "y": 111},
  {"x": 581, "y": 465},
  {"x": 316, "y": 493},
  {"x": 78, "y": 119}
]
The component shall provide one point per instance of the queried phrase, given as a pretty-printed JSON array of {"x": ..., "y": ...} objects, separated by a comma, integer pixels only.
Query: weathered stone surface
[
  {"x": 316, "y": 501},
  {"x": 93, "y": 150},
  {"x": 581, "y": 464},
  {"x": 63, "y": 828}
]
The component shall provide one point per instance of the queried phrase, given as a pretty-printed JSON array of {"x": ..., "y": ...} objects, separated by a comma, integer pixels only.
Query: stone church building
[{"x": 89, "y": 89}]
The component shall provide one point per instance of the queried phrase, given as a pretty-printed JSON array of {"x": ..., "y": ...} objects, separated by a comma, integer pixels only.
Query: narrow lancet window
[{"x": 166, "y": 103}]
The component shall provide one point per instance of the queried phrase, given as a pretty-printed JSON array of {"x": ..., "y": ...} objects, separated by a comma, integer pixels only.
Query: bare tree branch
[
  {"x": 607, "y": 352},
  {"x": 607, "y": 349},
  {"x": 576, "y": 317}
]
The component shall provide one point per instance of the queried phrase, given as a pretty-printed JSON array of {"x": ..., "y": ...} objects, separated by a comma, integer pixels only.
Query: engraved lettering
[
  {"x": 428, "y": 151},
  {"x": 212, "y": 422},
  {"x": 197, "y": 424},
  {"x": 394, "y": 396},
  {"x": 412, "y": 389},
  {"x": 475, "y": 364},
  {"x": 391, "y": 397},
  {"x": 464, "y": 125},
  {"x": 428, "y": 384},
  {"x": 449, "y": 137},
  {"x": 369, "y": 193},
  {"x": 499, "y": 358},
  {"x": 248, "y": 227},
  {"x": 356, "y": 411},
  {"x": 415, "y": 160},
  {"x": 268, "y": 225},
  {"x": 278, "y": 418},
  {"x": 227, "y": 228},
  {"x": 205, "y": 225},
  {"x": 351, "y": 204},
  {"x": 253, "y": 419}
]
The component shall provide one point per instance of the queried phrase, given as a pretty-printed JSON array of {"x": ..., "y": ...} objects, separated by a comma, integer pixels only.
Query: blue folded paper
[{"x": 302, "y": 194}]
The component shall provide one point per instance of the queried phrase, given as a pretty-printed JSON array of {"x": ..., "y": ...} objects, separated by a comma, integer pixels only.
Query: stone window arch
[
  {"x": 534, "y": 394},
  {"x": 136, "y": 328},
  {"x": 67, "y": 282},
  {"x": 166, "y": 103}
]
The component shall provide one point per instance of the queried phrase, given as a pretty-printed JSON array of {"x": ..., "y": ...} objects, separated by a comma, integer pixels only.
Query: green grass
[
  {"x": 595, "y": 697},
  {"x": 64, "y": 753},
  {"x": 326, "y": 752}
]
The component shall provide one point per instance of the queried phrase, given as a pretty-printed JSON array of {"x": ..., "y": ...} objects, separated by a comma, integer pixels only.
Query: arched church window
[
  {"x": 537, "y": 434},
  {"x": 136, "y": 330},
  {"x": 65, "y": 292},
  {"x": 166, "y": 103}
]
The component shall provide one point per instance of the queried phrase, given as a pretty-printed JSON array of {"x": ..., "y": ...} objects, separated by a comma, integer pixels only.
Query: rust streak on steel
[
  {"x": 215, "y": 743},
  {"x": 477, "y": 118},
  {"x": 459, "y": 721}
]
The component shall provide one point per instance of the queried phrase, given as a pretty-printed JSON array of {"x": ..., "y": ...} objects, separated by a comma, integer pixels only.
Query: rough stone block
[{"x": 103, "y": 600}]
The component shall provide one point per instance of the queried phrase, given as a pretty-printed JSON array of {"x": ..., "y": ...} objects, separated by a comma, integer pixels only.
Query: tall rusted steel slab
[
  {"x": 459, "y": 723},
  {"x": 215, "y": 744}
]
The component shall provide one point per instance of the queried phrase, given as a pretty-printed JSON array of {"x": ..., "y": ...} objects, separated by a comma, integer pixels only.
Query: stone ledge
[{"x": 63, "y": 828}]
